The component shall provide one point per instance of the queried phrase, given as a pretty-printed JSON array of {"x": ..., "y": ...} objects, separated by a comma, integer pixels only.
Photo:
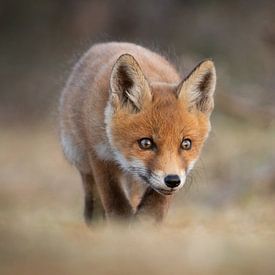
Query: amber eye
[
  {"x": 186, "y": 144},
  {"x": 146, "y": 144}
]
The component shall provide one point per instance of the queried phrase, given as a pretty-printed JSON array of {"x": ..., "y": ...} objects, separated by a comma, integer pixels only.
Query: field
[{"x": 223, "y": 222}]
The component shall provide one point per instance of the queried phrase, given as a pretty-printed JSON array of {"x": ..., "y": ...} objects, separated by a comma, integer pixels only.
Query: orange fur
[{"x": 118, "y": 94}]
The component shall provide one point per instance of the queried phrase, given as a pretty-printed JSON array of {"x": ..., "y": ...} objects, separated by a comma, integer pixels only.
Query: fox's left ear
[{"x": 198, "y": 88}]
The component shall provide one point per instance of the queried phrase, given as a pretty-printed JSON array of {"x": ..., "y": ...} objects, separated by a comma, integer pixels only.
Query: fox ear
[
  {"x": 129, "y": 88},
  {"x": 198, "y": 88}
]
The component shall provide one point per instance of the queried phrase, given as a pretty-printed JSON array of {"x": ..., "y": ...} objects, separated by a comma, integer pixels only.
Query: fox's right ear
[
  {"x": 129, "y": 87},
  {"x": 198, "y": 88}
]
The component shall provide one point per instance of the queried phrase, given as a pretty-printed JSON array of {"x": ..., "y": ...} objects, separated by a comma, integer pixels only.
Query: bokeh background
[{"x": 222, "y": 222}]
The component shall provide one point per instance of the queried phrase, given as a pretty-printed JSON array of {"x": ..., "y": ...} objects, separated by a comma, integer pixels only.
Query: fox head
[{"x": 157, "y": 129}]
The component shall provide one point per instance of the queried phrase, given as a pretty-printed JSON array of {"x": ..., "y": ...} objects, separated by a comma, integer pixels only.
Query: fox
[{"x": 133, "y": 128}]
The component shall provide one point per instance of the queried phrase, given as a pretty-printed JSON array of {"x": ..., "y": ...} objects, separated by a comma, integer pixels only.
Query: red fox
[{"x": 133, "y": 128}]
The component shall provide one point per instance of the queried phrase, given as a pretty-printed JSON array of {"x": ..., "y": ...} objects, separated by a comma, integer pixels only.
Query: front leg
[
  {"x": 113, "y": 198},
  {"x": 92, "y": 208},
  {"x": 153, "y": 205}
]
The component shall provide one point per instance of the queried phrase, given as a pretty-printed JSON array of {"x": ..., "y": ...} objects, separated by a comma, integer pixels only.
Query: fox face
[{"x": 157, "y": 129}]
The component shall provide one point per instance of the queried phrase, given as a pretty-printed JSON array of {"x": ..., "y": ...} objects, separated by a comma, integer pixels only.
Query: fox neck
[{"x": 111, "y": 152}]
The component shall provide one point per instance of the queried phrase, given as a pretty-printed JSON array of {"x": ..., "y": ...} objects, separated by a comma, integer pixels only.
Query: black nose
[{"x": 172, "y": 181}]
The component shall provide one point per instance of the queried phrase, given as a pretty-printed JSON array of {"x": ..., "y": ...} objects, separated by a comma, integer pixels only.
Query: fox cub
[{"x": 133, "y": 128}]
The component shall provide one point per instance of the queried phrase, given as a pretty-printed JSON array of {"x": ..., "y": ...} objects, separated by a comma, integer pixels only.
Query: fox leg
[
  {"x": 153, "y": 205},
  {"x": 92, "y": 205},
  {"x": 113, "y": 198},
  {"x": 134, "y": 191}
]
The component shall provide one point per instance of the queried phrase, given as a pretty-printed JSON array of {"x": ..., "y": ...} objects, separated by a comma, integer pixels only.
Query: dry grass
[{"x": 42, "y": 231}]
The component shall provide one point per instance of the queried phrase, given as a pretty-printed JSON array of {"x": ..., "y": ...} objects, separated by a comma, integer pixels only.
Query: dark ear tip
[
  {"x": 205, "y": 65},
  {"x": 206, "y": 62},
  {"x": 126, "y": 57}
]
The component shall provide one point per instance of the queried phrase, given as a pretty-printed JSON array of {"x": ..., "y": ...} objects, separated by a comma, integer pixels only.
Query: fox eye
[
  {"x": 146, "y": 144},
  {"x": 186, "y": 144}
]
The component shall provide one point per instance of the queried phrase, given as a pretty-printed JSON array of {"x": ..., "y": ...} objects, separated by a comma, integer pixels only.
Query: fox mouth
[
  {"x": 161, "y": 191},
  {"x": 148, "y": 176},
  {"x": 164, "y": 191}
]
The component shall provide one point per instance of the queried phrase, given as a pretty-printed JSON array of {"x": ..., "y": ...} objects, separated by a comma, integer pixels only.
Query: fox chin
[{"x": 134, "y": 128}]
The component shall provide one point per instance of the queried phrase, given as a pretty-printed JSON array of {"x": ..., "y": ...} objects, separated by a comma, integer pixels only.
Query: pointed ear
[
  {"x": 198, "y": 88},
  {"x": 129, "y": 88}
]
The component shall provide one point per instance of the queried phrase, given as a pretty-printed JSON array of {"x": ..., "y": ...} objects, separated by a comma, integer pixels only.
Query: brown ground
[{"x": 223, "y": 224}]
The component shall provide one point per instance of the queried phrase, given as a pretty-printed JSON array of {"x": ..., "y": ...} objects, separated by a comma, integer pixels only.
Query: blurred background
[{"x": 224, "y": 218}]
